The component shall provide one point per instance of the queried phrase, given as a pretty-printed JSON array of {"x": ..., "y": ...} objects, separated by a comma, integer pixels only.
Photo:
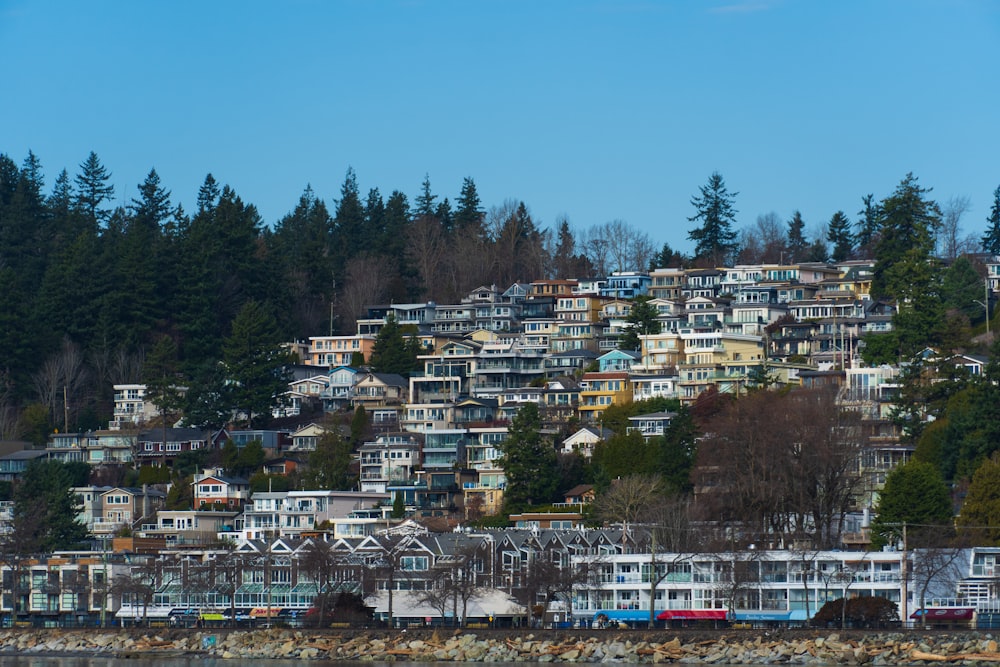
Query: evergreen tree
[
  {"x": 797, "y": 244},
  {"x": 914, "y": 494},
  {"x": 256, "y": 362},
  {"x": 330, "y": 464},
  {"x": 444, "y": 215},
  {"x": 469, "y": 214},
  {"x": 392, "y": 352},
  {"x": 839, "y": 234},
  {"x": 980, "y": 513},
  {"x": 44, "y": 493},
  {"x": 962, "y": 289},
  {"x": 991, "y": 239},
  {"x": 869, "y": 225},
  {"x": 349, "y": 220},
  {"x": 160, "y": 375},
  {"x": 93, "y": 191},
  {"x": 667, "y": 258},
  {"x": 424, "y": 202},
  {"x": 817, "y": 251},
  {"x": 641, "y": 321},
  {"x": 529, "y": 462},
  {"x": 715, "y": 239}
]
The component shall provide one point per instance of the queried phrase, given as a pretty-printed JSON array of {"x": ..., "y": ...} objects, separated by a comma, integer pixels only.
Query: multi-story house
[
  {"x": 163, "y": 445},
  {"x": 660, "y": 352},
  {"x": 66, "y": 447},
  {"x": 627, "y": 284},
  {"x": 131, "y": 407},
  {"x": 484, "y": 494},
  {"x": 580, "y": 308},
  {"x": 110, "y": 447},
  {"x": 569, "y": 362},
  {"x": 505, "y": 364},
  {"x": 598, "y": 391},
  {"x": 770, "y": 586},
  {"x": 379, "y": 390},
  {"x": 667, "y": 283},
  {"x": 339, "y": 386},
  {"x": 448, "y": 373},
  {"x": 212, "y": 488},
  {"x": 576, "y": 335},
  {"x": 190, "y": 527},
  {"x": 717, "y": 358},
  {"x": 702, "y": 282},
  {"x": 333, "y": 351},
  {"x": 123, "y": 507},
  {"x": 648, "y": 386},
  {"x": 392, "y": 457},
  {"x": 454, "y": 319}
]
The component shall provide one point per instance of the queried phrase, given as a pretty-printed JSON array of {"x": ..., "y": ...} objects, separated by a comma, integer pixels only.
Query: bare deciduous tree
[{"x": 366, "y": 282}]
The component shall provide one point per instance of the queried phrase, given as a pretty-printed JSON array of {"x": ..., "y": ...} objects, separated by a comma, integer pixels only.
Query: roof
[{"x": 579, "y": 490}]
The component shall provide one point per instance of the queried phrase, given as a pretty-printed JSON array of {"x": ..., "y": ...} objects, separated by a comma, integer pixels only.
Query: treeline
[{"x": 89, "y": 286}]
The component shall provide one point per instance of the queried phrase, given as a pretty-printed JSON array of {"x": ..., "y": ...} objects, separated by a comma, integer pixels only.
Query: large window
[{"x": 413, "y": 563}]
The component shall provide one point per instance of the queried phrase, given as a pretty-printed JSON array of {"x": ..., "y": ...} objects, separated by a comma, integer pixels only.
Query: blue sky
[{"x": 592, "y": 109}]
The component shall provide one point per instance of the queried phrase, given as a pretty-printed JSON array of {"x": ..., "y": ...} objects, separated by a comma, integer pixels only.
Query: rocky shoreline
[{"x": 806, "y": 648}]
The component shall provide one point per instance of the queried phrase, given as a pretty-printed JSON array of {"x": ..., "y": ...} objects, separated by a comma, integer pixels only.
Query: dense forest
[{"x": 97, "y": 292}]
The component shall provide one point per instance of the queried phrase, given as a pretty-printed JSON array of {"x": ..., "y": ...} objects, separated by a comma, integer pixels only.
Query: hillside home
[
  {"x": 598, "y": 391},
  {"x": 214, "y": 489}
]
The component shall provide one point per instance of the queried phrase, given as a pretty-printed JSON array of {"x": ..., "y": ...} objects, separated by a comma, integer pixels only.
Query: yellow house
[
  {"x": 718, "y": 358},
  {"x": 335, "y": 351},
  {"x": 600, "y": 390}
]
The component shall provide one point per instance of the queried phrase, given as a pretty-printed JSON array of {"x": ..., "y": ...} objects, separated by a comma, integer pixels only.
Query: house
[
  {"x": 618, "y": 360},
  {"x": 339, "y": 385},
  {"x": 547, "y": 520},
  {"x": 627, "y": 284},
  {"x": 164, "y": 444},
  {"x": 378, "y": 390},
  {"x": 581, "y": 494},
  {"x": 392, "y": 457},
  {"x": 307, "y": 437},
  {"x": 598, "y": 391},
  {"x": 123, "y": 507},
  {"x": 190, "y": 527},
  {"x": 339, "y": 351},
  {"x": 583, "y": 441},
  {"x": 15, "y": 463},
  {"x": 651, "y": 425},
  {"x": 131, "y": 407},
  {"x": 284, "y": 466},
  {"x": 212, "y": 488}
]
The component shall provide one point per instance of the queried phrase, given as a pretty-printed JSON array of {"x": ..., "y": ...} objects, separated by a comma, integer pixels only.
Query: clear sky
[{"x": 592, "y": 109}]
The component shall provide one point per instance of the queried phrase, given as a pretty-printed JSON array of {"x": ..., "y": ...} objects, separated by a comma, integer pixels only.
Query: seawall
[{"x": 722, "y": 648}]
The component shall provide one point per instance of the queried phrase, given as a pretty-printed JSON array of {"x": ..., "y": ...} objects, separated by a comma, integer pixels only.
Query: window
[{"x": 413, "y": 563}]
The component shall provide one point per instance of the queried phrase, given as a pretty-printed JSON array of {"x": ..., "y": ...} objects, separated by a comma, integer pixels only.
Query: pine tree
[
  {"x": 839, "y": 234},
  {"x": 914, "y": 494},
  {"x": 424, "y": 202},
  {"x": 529, "y": 462},
  {"x": 469, "y": 214},
  {"x": 391, "y": 352},
  {"x": 797, "y": 244},
  {"x": 256, "y": 362},
  {"x": 991, "y": 239},
  {"x": 715, "y": 239},
  {"x": 869, "y": 225},
  {"x": 349, "y": 220},
  {"x": 93, "y": 191}
]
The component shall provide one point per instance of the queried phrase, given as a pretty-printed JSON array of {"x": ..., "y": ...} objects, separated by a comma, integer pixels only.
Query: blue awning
[
  {"x": 794, "y": 615},
  {"x": 625, "y": 615}
]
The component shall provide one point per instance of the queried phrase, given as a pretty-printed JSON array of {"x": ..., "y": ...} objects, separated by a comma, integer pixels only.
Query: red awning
[
  {"x": 692, "y": 615},
  {"x": 952, "y": 614}
]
